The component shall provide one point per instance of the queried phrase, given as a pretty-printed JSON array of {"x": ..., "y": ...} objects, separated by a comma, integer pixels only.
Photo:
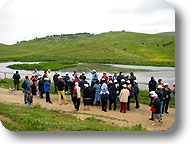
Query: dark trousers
[
  {"x": 137, "y": 102},
  {"x": 128, "y": 103},
  {"x": 66, "y": 88},
  {"x": 48, "y": 97},
  {"x": 76, "y": 103},
  {"x": 112, "y": 101},
  {"x": 97, "y": 103},
  {"x": 123, "y": 107},
  {"x": 104, "y": 105},
  {"x": 33, "y": 90},
  {"x": 55, "y": 86},
  {"x": 92, "y": 100},
  {"x": 165, "y": 104},
  {"x": 16, "y": 85},
  {"x": 41, "y": 94}
]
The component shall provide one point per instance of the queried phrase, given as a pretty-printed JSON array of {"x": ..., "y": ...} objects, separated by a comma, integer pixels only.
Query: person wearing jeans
[{"x": 27, "y": 89}]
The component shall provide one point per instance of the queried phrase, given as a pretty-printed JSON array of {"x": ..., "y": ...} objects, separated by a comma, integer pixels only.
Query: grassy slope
[
  {"x": 111, "y": 47},
  {"x": 41, "y": 119}
]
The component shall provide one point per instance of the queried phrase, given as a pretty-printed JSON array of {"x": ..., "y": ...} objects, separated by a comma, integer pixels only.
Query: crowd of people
[{"x": 109, "y": 91}]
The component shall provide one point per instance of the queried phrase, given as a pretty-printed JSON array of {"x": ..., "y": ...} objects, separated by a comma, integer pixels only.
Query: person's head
[
  {"x": 166, "y": 85},
  {"x": 94, "y": 70},
  {"x": 76, "y": 83},
  {"x": 41, "y": 78},
  {"x": 174, "y": 84},
  {"x": 75, "y": 73},
  {"x": 86, "y": 85},
  {"x": 115, "y": 74},
  {"x": 35, "y": 69},
  {"x": 97, "y": 81},
  {"x": 160, "y": 81},
  {"x": 104, "y": 74},
  {"x": 26, "y": 77},
  {"x": 154, "y": 96},
  {"x": 66, "y": 73},
  {"x": 49, "y": 70},
  {"x": 17, "y": 72},
  {"x": 135, "y": 82},
  {"x": 83, "y": 73},
  {"x": 110, "y": 76},
  {"x": 56, "y": 73},
  {"x": 160, "y": 87},
  {"x": 46, "y": 79},
  {"x": 131, "y": 73},
  {"x": 60, "y": 77},
  {"x": 151, "y": 93},
  {"x": 152, "y": 78},
  {"x": 45, "y": 72},
  {"x": 28, "y": 94},
  {"x": 124, "y": 86}
]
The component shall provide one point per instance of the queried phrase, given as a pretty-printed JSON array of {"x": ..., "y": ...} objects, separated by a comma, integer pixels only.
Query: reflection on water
[{"x": 143, "y": 73}]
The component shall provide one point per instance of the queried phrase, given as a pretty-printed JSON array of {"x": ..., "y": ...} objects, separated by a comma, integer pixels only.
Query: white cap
[
  {"x": 59, "y": 77},
  {"x": 174, "y": 83},
  {"x": 46, "y": 79},
  {"x": 124, "y": 85},
  {"x": 122, "y": 80},
  {"x": 135, "y": 81},
  {"x": 103, "y": 79},
  {"x": 110, "y": 81},
  {"x": 160, "y": 86},
  {"x": 166, "y": 84},
  {"x": 83, "y": 73},
  {"x": 49, "y": 70},
  {"x": 94, "y": 70},
  {"x": 86, "y": 85},
  {"x": 76, "y": 83},
  {"x": 66, "y": 73},
  {"x": 122, "y": 74},
  {"x": 154, "y": 95},
  {"x": 128, "y": 81},
  {"x": 110, "y": 75},
  {"x": 115, "y": 81},
  {"x": 152, "y": 92}
]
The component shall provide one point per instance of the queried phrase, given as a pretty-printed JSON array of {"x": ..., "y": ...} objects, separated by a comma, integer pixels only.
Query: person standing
[
  {"x": 166, "y": 98},
  {"x": 26, "y": 87},
  {"x": 173, "y": 91},
  {"x": 47, "y": 90},
  {"x": 112, "y": 96},
  {"x": 136, "y": 93},
  {"x": 29, "y": 100},
  {"x": 152, "y": 84},
  {"x": 104, "y": 96},
  {"x": 124, "y": 94},
  {"x": 33, "y": 83},
  {"x": 76, "y": 96},
  {"x": 55, "y": 79},
  {"x": 81, "y": 84},
  {"x": 94, "y": 76},
  {"x": 16, "y": 77},
  {"x": 132, "y": 78},
  {"x": 41, "y": 87},
  {"x": 60, "y": 85},
  {"x": 115, "y": 76},
  {"x": 97, "y": 93},
  {"x": 87, "y": 97},
  {"x": 160, "y": 94},
  {"x": 67, "y": 82},
  {"x": 36, "y": 74}
]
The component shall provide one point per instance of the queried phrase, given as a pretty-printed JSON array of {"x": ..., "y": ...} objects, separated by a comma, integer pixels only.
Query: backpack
[
  {"x": 74, "y": 95},
  {"x": 24, "y": 85}
]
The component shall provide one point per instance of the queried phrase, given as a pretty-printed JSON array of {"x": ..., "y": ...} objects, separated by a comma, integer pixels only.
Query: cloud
[{"x": 24, "y": 20}]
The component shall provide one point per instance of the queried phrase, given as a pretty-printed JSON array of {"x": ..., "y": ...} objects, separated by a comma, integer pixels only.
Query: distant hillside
[
  {"x": 167, "y": 33},
  {"x": 111, "y": 47}
]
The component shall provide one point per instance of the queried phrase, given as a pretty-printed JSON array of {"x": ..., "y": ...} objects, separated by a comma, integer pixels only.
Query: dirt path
[{"x": 131, "y": 118}]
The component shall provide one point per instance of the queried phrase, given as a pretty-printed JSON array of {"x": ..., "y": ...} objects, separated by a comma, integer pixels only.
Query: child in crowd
[{"x": 29, "y": 100}]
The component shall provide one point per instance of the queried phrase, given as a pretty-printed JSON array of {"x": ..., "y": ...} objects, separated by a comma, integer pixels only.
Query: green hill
[{"x": 112, "y": 47}]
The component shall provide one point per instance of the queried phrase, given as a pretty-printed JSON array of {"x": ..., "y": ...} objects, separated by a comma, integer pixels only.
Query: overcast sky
[{"x": 27, "y": 19}]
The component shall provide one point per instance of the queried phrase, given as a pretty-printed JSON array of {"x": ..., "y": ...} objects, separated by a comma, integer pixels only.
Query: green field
[
  {"x": 40, "y": 119},
  {"x": 112, "y": 47}
]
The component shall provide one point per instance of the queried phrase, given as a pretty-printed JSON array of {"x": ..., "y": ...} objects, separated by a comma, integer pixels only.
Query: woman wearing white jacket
[{"x": 124, "y": 94}]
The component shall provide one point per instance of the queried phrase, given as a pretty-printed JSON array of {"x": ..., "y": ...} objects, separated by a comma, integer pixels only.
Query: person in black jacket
[
  {"x": 60, "y": 85},
  {"x": 152, "y": 84},
  {"x": 41, "y": 87},
  {"x": 16, "y": 77},
  {"x": 160, "y": 94},
  {"x": 112, "y": 96},
  {"x": 87, "y": 97},
  {"x": 132, "y": 78},
  {"x": 156, "y": 105},
  {"x": 166, "y": 98},
  {"x": 55, "y": 79},
  {"x": 72, "y": 84}
]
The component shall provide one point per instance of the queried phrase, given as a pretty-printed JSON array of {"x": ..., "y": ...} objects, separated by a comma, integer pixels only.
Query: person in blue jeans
[
  {"x": 26, "y": 89},
  {"x": 160, "y": 94}
]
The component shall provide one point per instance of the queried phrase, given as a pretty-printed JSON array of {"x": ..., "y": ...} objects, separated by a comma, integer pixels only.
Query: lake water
[{"x": 167, "y": 74}]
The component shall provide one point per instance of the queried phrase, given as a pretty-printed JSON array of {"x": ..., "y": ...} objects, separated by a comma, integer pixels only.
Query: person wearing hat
[
  {"x": 132, "y": 78},
  {"x": 166, "y": 99},
  {"x": 72, "y": 84},
  {"x": 60, "y": 85},
  {"x": 41, "y": 87},
  {"x": 124, "y": 94},
  {"x": 160, "y": 94},
  {"x": 115, "y": 76},
  {"x": 82, "y": 76},
  {"x": 110, "y": 78},
  {"x": 35, "y": 72},
  {"x": 136, "y": 93},
  {"x": 159, "y": 83},
  {"x": 47, "y": 90},
  {"x": 104, "y": 77},
  {"x": 155, "y": 108},
  {"x": 152, "y": 84},
  {"x": 82, "y": 82},
  {"x": 94, "y": 76},
  {"x": 112, "y": 96},
  {"x": 150, "y": 103},
  {"x": 67, "y": 82},
  {"x": 104, "y": 96},
  {"x": 87, "y": 97},
  {"x": 16, "y": 77},
  {"x": 55, "y": 79},
  {"x": 33, "y": 84},
  {"x": 76, "y": 96}
]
